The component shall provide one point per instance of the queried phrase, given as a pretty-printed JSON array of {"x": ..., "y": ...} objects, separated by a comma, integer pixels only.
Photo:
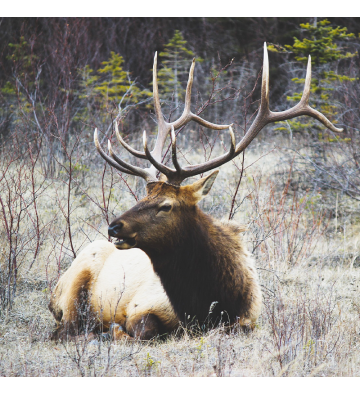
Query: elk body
[
  {"x": 105, "y": 286},
  {"x": 202, "y": 264}
]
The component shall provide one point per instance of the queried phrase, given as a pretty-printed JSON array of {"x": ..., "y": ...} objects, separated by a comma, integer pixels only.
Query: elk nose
[{"x": 114, "y": 229}]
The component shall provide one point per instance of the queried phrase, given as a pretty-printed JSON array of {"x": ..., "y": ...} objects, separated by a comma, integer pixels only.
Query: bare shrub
[
  {"x": 22, "y": 226},
  {"x": 285, "y": 226},
  {"x": 303, "y": 328}
]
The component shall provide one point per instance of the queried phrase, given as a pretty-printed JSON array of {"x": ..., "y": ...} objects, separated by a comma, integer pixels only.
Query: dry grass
[
  {"x": 307, "y": 263},
  {"x": 309, "y": 327}
]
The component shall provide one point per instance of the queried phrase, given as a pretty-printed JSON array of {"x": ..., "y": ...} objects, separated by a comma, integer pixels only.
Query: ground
[{"x": 308, "y": 268}]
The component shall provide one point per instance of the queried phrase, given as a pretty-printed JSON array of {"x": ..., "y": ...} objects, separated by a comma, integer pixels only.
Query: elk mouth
[{"x": 125, "y": 243}]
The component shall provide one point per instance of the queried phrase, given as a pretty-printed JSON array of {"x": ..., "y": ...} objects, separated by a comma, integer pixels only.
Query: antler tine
[
  {"x": 157, "y": 106},
  {"x": 186, "y": 116},
  {"x": 163, "y": 128},
  {"x": 189, "y": 87},
  {"x": 261, "y": 118},
  {"x": 158, "y": 165},
  {"x": 173, "y": 151},
  {"x": 304, "y": 104},
  {"x": 303, "y": 108},
  {"x": 306, "y": 93},
  {"x": 107, "y": 158},
  {"x": 264, "y": 103},
  {"x": 132, "y": 151},
  {"x": 134, "y": 169}
]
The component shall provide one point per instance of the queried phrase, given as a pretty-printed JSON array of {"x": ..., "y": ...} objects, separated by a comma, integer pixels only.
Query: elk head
[
  {"x": 162, "y": 216},
  {"x": 169, "y": 207}
]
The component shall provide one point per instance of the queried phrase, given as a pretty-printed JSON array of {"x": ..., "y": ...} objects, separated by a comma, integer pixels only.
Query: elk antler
[
  {"x": 164, "y": 128},
  {"x": 264, "y": 117},
  {"x": 177, "y": 175}
]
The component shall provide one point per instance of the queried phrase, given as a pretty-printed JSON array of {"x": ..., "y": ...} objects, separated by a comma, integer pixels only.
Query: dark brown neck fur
[{"x": 202, "y": 267}]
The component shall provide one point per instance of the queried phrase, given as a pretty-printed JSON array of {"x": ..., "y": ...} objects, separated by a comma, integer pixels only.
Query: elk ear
[{"x": 202, "y": 187}]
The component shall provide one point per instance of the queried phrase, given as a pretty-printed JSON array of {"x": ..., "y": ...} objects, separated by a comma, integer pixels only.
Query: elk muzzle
[{"x": 123, "y": 241}]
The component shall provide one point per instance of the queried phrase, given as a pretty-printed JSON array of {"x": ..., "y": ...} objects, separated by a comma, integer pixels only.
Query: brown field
[{"x": 306, "y": 247}]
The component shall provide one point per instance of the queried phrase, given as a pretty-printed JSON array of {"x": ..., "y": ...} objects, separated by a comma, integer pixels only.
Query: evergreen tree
[
  {"x": 109, "y": 85},
  {"x": 321, "y": 42},
  {"x": 115, "y": 82},
  {"x": 23, "y": 79},
  {"x": 175, "y": 61}
]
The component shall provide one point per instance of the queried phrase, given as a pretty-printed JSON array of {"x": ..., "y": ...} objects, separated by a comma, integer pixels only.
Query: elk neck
[{"x": 202, "y": 265}]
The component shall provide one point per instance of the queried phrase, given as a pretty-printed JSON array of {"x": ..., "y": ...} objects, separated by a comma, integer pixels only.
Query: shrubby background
[{"x": 296, "y": 187}]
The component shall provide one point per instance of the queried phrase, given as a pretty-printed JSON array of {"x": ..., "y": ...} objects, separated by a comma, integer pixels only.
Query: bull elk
[{"x": 171, "y": 261}]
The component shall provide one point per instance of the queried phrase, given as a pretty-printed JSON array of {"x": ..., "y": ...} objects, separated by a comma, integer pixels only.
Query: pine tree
[
  {"x": 175, "y": 61},
  {"x": 23, "y": 63},
  {"x": 321, "y": 42},
  {"x": 109, "y": 85}
]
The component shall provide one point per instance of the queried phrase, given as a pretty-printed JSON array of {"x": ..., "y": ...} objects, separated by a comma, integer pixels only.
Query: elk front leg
[
  {"x": 117, "y": 333},
  {"x": 144, "y": 327}
]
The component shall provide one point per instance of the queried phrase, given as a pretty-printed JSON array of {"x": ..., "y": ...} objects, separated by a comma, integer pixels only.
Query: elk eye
[{"x": 165, "y": 207}]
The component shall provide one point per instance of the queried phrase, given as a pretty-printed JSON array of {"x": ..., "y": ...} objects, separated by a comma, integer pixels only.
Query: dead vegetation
[{"x": 306, "y": 259}]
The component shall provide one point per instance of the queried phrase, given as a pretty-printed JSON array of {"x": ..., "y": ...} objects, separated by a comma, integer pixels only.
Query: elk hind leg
[{"x": 74, "y": 316}]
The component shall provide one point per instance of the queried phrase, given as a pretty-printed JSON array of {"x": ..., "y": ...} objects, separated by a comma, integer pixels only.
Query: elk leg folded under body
[{"x": 145, "y": 327}]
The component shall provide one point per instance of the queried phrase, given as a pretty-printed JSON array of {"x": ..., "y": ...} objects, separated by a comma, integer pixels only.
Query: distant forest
[
  {"x": 76, "y": 72},
  {"x": 90, "y": 40}
]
